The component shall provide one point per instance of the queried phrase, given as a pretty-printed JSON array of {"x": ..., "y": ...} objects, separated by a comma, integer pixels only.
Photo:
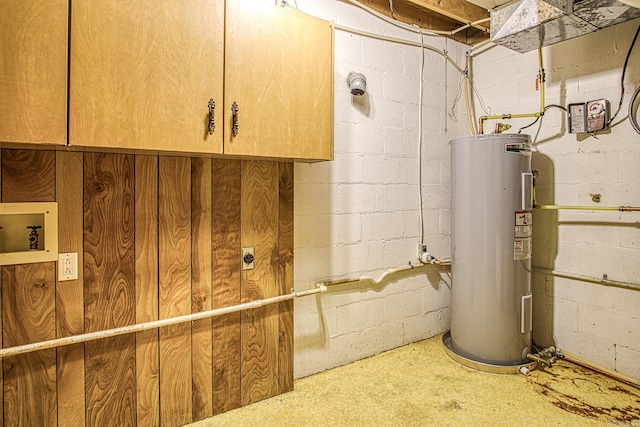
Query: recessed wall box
[{"x": 28, "y": 232}]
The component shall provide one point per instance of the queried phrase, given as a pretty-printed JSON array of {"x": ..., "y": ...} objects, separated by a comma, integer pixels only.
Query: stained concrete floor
[{"x": 419, "y": 385}]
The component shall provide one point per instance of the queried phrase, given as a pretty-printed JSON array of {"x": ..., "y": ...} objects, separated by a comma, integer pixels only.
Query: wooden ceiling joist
[{"x": 443, "y": 15}]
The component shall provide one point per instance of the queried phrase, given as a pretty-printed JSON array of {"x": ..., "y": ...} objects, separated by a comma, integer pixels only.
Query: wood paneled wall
[{"x": 156, "y": 237}]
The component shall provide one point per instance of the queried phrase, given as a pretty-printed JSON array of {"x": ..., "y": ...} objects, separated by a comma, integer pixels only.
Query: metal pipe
[
  {"x": 401, "y": 41},
  {"x": 541, "y": 80},
  {"x": 467, "y": 96},
  {"x": 565, "y": 355},
  {"x": 604, "y": 280},
  {"x": 590, "y": 208},
  {"x": 154, "y": 324}
]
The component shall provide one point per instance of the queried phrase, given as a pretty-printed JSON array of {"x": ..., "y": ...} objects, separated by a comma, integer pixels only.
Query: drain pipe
[
  {"x": 576, "y": 360},
  {"x": 384, "y": 275},
  {"x": 154, "y": 324}
]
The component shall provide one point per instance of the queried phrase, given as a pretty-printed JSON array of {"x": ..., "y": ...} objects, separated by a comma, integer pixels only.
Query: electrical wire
[
  {"x": 539, "y": 117},
  {"x": 632, "y": 115},
  {"x": 444, "y": 267},
  {"x": 420, "y": 208},
  {"x": 624, "y": 70}
]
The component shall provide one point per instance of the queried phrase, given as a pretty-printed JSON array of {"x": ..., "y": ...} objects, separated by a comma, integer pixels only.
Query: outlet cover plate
[
  {"x": 67, "y": 266},
  {"x": 248, "y": 265}
]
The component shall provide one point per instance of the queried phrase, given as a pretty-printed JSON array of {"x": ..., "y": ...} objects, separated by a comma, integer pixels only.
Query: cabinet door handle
[
  {"x": 212, "y": 121},
  {"x": 234, "y": 112}
]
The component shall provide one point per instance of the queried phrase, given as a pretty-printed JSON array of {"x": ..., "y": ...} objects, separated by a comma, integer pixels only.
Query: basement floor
[{"x": 419, "y": 385}]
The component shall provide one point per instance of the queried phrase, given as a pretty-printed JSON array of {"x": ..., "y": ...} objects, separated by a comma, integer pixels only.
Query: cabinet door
[
  {"x": 279, "y": 71},
  {"x": 33, "y": 71},
  {"x": 142, "y": 74}
]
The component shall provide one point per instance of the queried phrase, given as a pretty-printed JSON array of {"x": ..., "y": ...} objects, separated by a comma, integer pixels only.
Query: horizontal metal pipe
[
  {"x": 590, "y": 208},
  {"x": 565, "y": 355},
  {"x": 604, "y": 280},
  {"x": 400, "y": 41},
  {"x": 154, "y": 324}
]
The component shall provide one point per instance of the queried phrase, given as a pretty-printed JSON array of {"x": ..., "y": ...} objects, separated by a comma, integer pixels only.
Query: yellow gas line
[
  {"x": 589, "y": 208},
  {"x": 541, "y": 77}
]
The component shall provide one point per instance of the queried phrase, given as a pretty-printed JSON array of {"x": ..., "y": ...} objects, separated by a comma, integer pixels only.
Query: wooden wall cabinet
[
  {"x": 142, "y": 74},
  {"x": 142, "y": 77},
  {"x": 33, "y": 71},
  {"x": 279, "y": 73}
]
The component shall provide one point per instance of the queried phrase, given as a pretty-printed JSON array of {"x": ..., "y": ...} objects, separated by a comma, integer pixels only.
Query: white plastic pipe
[
  {"x": 382, "y": 278},
  {"x": 154, "y": 324}
]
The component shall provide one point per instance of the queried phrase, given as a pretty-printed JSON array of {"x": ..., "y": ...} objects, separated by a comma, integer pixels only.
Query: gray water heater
[{"x": 492, "y": 204}]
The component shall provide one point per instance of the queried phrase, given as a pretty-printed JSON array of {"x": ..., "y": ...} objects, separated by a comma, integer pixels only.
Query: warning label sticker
[
  {"x": 523, "y": 231},
  {"x": 524, "y": 218},
  {"x": 522, "y": 248}
]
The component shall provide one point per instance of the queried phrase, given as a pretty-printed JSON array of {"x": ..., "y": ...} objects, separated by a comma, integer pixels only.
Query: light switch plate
[{"x": 67, "y": 266}]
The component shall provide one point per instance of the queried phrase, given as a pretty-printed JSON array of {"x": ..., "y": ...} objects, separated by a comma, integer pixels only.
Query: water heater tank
[{"x": 492, "y": 228}]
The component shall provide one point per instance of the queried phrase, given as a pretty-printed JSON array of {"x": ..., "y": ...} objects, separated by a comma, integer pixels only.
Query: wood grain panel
[
  {"x": 147, "y": 71},
  {"x": 147, "y": 345},
  {"x": 69, "y": 294},
  {"x": 259, "y": 207},
  {"x": 201, "y": 285},
  {"x": 285, "y": 104},
  {"x": 1, "y": 311},
  {"x": 28, "y": 176},
  {"x": 175, "y": 289},
  {"x": 109, "y": 293},
  {"x": 28, "y": 300},
  {"x": 33, "y": 75},
  {"x": 285, "y": 277},
  {"x": 226, "y": 283}
]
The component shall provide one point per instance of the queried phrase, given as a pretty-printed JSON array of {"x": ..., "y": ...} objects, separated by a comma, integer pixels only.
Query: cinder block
[
  {"x": 401, "y": 88},
  {"x": 400, "y": 197},
  {"x": 400, "y": 142},
  {"x": 383, "y": 55},
  {"x": 627, "y": 361},
  {"x": 388, "y": 225},
  {"x": 399, "y": 252},
  {"x": 360, "y": 139},
  {"x": 400, "y": 306},
  {"x": 393, "y": 334}
]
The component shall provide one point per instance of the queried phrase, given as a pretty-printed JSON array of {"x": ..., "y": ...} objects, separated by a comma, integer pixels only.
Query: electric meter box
[
  {"x": 28, "y": 232},
  {"x": 588, "y": 117}
]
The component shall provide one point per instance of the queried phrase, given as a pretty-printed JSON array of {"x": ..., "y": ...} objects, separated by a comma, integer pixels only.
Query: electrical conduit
[{"x": 154, "y": 324}]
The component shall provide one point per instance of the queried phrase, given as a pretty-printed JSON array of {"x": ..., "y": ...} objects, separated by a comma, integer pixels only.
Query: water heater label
[
  {"x": 522, "y": 249},
  {"x": 523, "y": 231}
]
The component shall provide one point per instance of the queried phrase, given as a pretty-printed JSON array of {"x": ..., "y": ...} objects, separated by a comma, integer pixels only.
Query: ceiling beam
[
  {"x": 409, "y": 12},
  {"x": 460, "y": 10}
]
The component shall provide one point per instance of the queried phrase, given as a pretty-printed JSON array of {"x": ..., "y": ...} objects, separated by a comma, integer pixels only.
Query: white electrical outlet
[{"x": 67, "y": 266}]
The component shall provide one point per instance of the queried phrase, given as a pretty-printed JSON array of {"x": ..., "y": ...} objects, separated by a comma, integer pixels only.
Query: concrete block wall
[
  {"x": 359, "y": 215},
  {"x": 598, "y": 323}
]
